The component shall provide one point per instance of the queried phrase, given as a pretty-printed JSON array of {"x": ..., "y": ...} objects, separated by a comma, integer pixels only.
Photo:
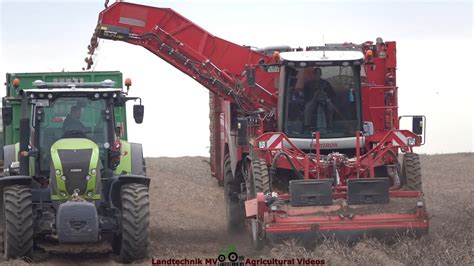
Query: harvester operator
[{"x": 318, "y": 91}]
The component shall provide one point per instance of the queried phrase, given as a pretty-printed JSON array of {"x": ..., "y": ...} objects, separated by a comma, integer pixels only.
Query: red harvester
[{"x": 305, "y": 141}]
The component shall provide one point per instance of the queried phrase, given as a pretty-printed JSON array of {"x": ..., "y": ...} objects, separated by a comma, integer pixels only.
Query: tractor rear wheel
[
  {"x": 260, "y": 182},
  {"x": 17, "y": 222},
  {"x": 132, "y": 242},
  {"x": 234, "y": 210},
  {"x": 411, "y": 172}
]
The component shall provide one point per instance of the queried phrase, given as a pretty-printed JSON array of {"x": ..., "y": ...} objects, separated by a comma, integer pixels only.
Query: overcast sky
[{"x": 434, "y": 49}]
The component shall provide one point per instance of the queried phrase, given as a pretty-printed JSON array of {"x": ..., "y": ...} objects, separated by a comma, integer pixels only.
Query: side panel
[{"x": 125, "y": 166}]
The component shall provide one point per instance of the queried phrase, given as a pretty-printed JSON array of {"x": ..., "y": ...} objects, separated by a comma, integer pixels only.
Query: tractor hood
[{"x": 75, "y": 168}]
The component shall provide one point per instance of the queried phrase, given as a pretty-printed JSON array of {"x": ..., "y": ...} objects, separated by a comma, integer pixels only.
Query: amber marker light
[
  {"x": 16, "y": 83},
  {"x": 128, "y": 82},
  {"x": 276, "y": 55}
]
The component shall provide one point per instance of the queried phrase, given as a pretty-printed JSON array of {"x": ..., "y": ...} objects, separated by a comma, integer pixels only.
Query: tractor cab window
[
  {"x": 78, "y": 117},
  {"x": 323, "y": 99}
]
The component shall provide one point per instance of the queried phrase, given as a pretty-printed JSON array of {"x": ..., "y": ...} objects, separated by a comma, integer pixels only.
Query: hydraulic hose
[{"x": 272, "y": 170}]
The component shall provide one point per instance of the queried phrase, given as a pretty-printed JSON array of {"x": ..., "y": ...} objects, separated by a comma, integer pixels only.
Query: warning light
[
  {"x": 128, "y": 82},
  {"x": 276, "y": 55},
  {"x": 369, "y": 54},
  {"x": 16, "y": 83}
]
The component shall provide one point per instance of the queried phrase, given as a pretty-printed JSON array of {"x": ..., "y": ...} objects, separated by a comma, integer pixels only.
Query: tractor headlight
[
  {"x": 93, "y": 171},
  {"x": 58, "y": 172},
  {"x": 411, "y": 141},
  {"x": 262, "y": 144},
  {"x": 63, "y": 178},
  {"x": 88, "y": 177},
  {"x": 62, "y": 194}
]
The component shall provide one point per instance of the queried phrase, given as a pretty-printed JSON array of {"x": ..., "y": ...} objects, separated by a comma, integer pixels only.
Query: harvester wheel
[
  {"x": 261, "y": 178},
  {"x": 234, "y": 210},
  {"x": 260, "y": 183},
  {"x": 17, "y": 222},
  {"x": 132, "y": 243},
  {"x": 411, "y": 171}
]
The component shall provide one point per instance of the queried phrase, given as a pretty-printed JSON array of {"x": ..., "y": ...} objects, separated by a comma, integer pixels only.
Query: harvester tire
[
  {"x": 260, "y": 183},
  {"x": 234, "y": 210},
  {"x": 17, "y": 222},
  {"x": 411, "y": 172},
  {"x": 261, "y": 177},
  {"x": 132, "y": 242}
]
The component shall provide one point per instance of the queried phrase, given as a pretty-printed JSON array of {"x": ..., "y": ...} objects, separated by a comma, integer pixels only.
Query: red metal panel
[
  {"x": 224, "y": 61},
  {"x": 391, "y": 55}
]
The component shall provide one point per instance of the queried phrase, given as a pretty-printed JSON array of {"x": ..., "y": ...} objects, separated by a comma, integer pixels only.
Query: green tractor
[{"x": 72, "y": 176}]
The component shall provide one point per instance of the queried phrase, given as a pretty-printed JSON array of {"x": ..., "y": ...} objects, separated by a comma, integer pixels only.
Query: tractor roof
[{"x": 324, "y": 56}]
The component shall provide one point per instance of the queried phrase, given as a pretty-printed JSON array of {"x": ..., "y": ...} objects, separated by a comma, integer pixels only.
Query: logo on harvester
[
  {"x": 76, "y": 170},
  {"x": 229, "y": 254}
]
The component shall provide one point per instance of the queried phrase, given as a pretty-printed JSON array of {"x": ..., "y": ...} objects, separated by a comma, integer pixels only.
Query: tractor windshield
[
  {"x": 324, "y": 99},
  {"x": 74, "y": 117}
]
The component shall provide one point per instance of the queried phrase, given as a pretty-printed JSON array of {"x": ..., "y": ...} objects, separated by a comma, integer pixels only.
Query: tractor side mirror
[
  {"x": 250, "y": 75},
  {"x": 417, "y": 125},
  {"x": 7, "y": 115},
  {"x": 138, "y": 112}
]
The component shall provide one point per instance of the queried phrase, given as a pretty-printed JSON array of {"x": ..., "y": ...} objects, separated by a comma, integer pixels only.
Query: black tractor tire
[
  {"x": 411, "y": 172},
  {"x": 235, "y": 213},
  {"x": 17, "y": 222},
  {"x": 260, "y": 183},
  {"x": 132, "y": 242}
]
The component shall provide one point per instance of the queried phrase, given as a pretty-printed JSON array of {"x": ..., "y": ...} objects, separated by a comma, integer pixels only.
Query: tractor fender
[
  {"x": 118, "y": 181},
  {"x": 132, "y": 161},
  {"x": 14, "y": 180},
  {"x": 138, "y": 163}
]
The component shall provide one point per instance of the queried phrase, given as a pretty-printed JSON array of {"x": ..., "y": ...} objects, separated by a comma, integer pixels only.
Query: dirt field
[{"x": 188, "y": 221}]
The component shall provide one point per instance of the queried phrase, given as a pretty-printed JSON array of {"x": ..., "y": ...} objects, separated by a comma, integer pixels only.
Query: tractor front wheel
[
  {"x": 132, "y": 242},
  {"x": 17, "y": 222}
]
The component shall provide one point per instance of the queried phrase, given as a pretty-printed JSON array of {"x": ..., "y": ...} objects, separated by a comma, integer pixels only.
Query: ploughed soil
[{"x": 188, "y": 221}]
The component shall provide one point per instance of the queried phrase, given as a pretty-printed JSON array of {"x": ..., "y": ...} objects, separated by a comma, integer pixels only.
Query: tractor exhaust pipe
[{"x": 24, "y": 136}]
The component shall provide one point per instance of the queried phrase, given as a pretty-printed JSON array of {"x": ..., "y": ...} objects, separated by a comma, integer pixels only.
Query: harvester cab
[
  {"x": 71, "y": 170},
  {"x": 320, "y": 92}
]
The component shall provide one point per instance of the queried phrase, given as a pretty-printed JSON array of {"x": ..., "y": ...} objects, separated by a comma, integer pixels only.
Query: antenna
[{"x": 324, "y": 46}]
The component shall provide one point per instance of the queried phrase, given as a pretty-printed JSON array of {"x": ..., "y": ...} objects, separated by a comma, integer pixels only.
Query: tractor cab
[
  {"x": 320, "y": 92},
  {"x": 74, "y": 136}
]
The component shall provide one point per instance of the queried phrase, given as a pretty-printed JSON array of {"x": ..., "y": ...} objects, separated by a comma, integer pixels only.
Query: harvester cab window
[
  {"x": 323, "y": 99},
  {"x": 71, "y": 118}
]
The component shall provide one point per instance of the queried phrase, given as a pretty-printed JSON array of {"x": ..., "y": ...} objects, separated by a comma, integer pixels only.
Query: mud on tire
[
  {"x": 411, "y": 172},
  {"x": 132, "y": 243},
  {"x": 17, "y": 222}
]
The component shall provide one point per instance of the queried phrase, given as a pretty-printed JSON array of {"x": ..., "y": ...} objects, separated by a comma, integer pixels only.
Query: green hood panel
[{"x": 61, "y": 189}]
